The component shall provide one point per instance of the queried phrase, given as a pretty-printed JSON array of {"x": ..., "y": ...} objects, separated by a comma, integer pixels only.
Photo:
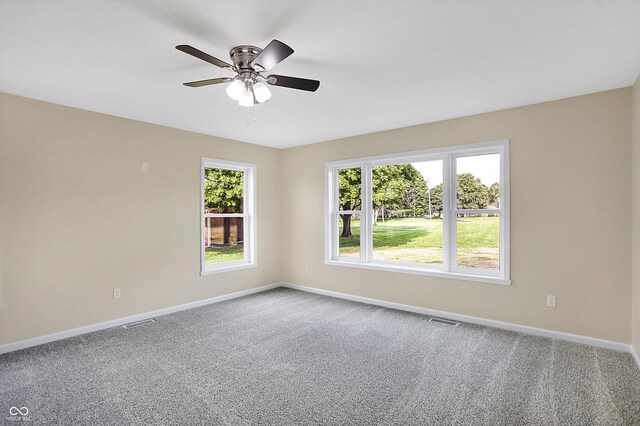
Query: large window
[
  {"x": 441, "y": 212},
  {"x": 228, "y": 215}
]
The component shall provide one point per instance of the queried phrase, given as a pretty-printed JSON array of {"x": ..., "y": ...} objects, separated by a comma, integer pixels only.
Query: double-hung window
[
  {"x": 441, "y": 212},
  {"x": 228, "y": 216}
]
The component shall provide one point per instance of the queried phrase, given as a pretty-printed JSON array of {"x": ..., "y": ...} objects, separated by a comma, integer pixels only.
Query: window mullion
[
  {"x": 504, "y": 211},
  {"x": 366, "y": 234},
  {"x": 448, "y": 195},
  {"x": 335, "y": 206}
]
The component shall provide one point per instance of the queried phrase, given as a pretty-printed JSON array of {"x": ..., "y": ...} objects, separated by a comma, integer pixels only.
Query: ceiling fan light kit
[
  {"x": 248, "y": 87},
  {"x": 235, "y": 90}
]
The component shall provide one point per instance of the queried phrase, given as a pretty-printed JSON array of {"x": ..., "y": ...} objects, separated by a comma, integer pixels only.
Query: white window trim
[
  {"x": 448, "y": 268},
  {"x": 249, "y": 215}
]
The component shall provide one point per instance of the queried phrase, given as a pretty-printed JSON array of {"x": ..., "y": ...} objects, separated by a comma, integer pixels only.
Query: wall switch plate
[
  {"x": 116, "y": 293},
  {"x": 145, "y": 167},
  {"x": 551, "y": 301}
]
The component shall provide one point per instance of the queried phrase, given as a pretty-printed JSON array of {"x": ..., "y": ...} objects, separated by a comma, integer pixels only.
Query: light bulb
[
  {"x": 235, "y": 90},
  {"x": 262, "y": 92},
  {"x": 247, "y": 98}
]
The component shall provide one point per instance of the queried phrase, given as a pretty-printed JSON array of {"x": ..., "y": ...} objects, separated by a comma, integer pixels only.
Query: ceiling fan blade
[
  {"x": 272, "y": 55},
  {"x": 204, "y": 56},
  {"x": 208, "y": 82},
  {"x": 293, "y": 82}
]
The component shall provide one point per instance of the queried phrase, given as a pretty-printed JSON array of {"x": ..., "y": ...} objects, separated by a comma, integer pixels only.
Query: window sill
[
  {"x": 420, "y": 271},
  {"x": 228, "y": 268}
]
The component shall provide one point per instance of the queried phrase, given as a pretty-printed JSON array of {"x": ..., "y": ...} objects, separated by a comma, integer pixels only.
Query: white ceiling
[{"x": 382, "y": 64}]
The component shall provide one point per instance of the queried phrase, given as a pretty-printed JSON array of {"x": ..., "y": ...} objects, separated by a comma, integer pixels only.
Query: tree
[
  {"x": 416, "y": 196},
  {"x": 436, "y": 200},
  {"x": 389, "y": 186},
  {"x": 223, "y": 193},
  {"x": 494, "y": 195},
  {"x": 398, "y": 186},
  {"x": 349, "y": 194},
  {"x": 472, "y": 194}
]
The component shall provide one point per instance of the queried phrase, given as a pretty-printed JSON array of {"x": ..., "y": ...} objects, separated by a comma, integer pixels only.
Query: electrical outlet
[
  {"x": 116, "y": 293},
  {"x": 551, "y": 301},
  {"x": 145, "y": 167}
]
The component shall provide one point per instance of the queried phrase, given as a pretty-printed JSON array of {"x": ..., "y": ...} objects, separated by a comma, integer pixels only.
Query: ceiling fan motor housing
[{"x": 242, "y": 56}]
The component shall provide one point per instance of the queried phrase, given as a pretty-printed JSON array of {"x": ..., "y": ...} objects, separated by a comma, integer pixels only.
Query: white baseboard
[
  {"x": 10, "y": 347},
  {"x": 576, "y": 338}
]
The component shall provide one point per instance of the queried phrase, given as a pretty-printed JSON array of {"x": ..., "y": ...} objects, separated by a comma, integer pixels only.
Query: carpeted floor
[{"x": 285, "y": 357}]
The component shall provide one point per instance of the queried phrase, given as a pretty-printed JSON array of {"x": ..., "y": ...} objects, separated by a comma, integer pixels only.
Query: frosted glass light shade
[
  {"x": 262, "y": 92},
  {"x": 235, "y": 90},
  {"x": 247, "y": 99}
]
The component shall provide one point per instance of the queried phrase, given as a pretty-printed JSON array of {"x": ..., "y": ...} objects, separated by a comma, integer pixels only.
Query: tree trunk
[
  {"x": 226, "y": 223},
  {"x": 374, "y": 216},
  {"x": 240, "y": 229},
  {"x": 382, "y": 213},
  {"x": 346, "y": 225}
]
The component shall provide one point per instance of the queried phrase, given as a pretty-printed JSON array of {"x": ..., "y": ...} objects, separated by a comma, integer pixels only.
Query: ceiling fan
[{"x": 249, "y": 62}]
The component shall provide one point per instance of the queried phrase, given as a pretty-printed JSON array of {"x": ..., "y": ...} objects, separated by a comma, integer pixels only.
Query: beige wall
[
  {"x": 78, "y": 217},
  {"x": 635, "y": 250},
  {"x": 570, "y": 217}
]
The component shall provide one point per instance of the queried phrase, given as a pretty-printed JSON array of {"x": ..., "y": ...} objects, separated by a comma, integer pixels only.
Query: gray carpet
[{"x": 285, "y": 357}]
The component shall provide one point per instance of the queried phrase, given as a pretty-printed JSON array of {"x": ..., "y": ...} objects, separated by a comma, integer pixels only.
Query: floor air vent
[
  {"x": 443, "y": 321},
  {"x": 139, "y": 323}
]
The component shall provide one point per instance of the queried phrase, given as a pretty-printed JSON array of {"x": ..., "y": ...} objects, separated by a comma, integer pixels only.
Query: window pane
[
  {"x": 349, "y": 235},
  {"x": 478, "y": 181},
  {"x": 350, "y": 189},
  {"x": 223, "y": 191},
  {"x": 224, "y": 239},
  {"x": 478, "y": 242},
  {"x": 407, "y": 212}
]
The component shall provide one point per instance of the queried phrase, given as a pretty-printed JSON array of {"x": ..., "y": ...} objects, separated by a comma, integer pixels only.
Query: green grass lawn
[
  {"x": 419, "y": 240},
  {"x": 224, "y": 254}
]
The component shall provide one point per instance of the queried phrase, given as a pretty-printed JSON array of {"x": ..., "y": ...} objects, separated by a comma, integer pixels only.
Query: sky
[{"x": 484, "y": 167}]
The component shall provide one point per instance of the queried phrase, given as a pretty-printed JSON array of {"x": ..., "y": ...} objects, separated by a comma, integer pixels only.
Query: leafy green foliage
[
  {"x": 350, "y": 188},
  {"x": 436, "y": 200},
  {"x": 472, "y": 194},
  {"x": 398, "y": 185},
  {"x": 494, "y": 195},
  {"x": 390, "y": 183},
  {"x": 223, "y": 190},
  {"x": 399, "y": 190}
]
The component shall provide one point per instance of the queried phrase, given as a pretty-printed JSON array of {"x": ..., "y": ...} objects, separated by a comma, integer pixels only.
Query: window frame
[
  {"x": 248, "y": 214},
  {"x": 449, "y": 268}
]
